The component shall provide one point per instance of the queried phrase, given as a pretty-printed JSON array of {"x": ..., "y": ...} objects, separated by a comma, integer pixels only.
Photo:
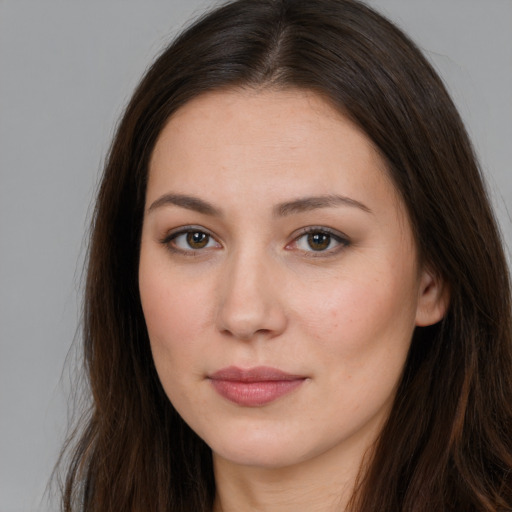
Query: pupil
[
  {"x": 197, "y": 240},
  {"x": 319, "y": 241}
]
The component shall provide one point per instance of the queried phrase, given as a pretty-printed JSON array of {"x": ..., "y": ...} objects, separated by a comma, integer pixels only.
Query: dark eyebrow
[
  {"x": 184, "y": 201},
  {"x": 313, "y": 203},
  {"x": 287, "y": 208}
]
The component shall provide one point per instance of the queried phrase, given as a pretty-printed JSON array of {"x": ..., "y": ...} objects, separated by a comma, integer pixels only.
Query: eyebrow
[
  {"x": 300, "y": 205},
  {"x": 316, "y": 202},
  {"x": 185, "y": 201}
]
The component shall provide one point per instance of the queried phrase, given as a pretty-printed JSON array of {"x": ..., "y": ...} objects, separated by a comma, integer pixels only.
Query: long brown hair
[{"x": 447, "y": 443}]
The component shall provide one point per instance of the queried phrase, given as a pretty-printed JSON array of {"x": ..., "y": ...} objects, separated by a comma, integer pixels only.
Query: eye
[
  {"x": 319, "y": 240},
  {"x": 190, "y": 240}
]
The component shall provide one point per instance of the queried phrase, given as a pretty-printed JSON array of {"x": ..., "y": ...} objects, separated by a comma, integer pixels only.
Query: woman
[{"x": 296, "y": 298}]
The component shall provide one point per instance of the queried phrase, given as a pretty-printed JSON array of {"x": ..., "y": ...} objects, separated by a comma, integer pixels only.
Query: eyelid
[
  {"x": 342, "y": 240},
  {"x": 182, "y": 230}
]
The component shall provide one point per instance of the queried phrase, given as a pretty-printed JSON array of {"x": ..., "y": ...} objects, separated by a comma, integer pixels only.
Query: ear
[{"x": 433, "y": 298}]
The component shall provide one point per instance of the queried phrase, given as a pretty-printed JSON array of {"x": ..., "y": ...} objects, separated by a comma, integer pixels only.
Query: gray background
[{"x": 66, "y": 70}]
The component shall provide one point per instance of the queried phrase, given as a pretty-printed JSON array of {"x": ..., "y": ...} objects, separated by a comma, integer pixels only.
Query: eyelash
[
  {"x": 171, "y": 237},
  {"x": 340, "y": 239}
]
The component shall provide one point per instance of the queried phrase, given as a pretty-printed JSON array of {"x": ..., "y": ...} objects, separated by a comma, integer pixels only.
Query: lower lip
[{"x": 255, "y": 394}]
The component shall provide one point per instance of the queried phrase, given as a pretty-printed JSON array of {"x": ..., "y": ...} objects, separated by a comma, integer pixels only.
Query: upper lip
[{"x": 255, "y": 374}]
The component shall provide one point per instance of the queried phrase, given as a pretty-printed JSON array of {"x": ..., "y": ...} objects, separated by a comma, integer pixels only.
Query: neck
[{"x": 324, "y": 483}]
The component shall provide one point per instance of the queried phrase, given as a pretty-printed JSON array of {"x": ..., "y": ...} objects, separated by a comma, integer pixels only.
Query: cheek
[
  {"x": 168, "y": 308},
  {"x": 176, "y": 314},
  {"x": 361, "y": 313},
  {"x": 175, "y": 319}
]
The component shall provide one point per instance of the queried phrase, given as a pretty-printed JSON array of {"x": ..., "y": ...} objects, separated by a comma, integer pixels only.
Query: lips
[{"x": 254, "y": 387}]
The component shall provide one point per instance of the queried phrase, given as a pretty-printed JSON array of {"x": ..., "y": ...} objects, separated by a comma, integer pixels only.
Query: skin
[{"x": 258, "y": 294}]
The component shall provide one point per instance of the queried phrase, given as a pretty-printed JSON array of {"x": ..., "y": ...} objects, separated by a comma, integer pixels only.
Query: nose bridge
[{"x": 250, "y": 302}]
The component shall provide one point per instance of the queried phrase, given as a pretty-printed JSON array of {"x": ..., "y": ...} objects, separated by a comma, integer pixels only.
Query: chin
[
  {"x": 264, "y": 450},
  {"x": 259, "y": 457}
]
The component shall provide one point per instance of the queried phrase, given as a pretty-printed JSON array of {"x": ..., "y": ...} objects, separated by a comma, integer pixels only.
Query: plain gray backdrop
[{"x": 67, "y": 68}]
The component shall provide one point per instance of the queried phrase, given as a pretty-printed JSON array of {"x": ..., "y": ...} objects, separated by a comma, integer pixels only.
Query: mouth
[{"x": 254, "y": 387}]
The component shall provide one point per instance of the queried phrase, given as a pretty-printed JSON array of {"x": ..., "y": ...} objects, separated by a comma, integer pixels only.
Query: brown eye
[
  {"x": 197, "y": 239},
  {"x": 190, "y": 241},
  {"x": 318, "y": 241}
]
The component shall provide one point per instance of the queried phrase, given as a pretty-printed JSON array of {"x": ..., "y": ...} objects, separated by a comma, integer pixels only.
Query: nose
[{"x": 251, "y": 299}]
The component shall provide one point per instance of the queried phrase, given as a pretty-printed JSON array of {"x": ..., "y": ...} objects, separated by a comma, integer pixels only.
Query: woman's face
[{"x": 278, "y": 277}]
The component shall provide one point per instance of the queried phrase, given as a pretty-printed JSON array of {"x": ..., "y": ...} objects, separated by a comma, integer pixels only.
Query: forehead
[
  {"x": 273, "y": 117},
  {"x": 270, "y": 143}
]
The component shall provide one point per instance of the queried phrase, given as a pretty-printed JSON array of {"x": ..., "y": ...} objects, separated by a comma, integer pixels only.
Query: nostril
[
  {"x": 264, "y": 324},
  {"x": 245, "y": 334}
]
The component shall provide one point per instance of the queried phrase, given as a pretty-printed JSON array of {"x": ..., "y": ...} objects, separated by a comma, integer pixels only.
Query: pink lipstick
[{"x": 254, "y": 387}]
